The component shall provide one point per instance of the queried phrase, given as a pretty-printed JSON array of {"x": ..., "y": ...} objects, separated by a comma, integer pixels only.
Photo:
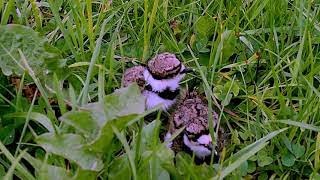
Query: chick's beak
[{"x": 187, "y": 70}]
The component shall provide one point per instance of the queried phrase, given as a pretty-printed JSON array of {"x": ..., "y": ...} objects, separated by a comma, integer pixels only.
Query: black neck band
[{"x": 166, "y": 94}]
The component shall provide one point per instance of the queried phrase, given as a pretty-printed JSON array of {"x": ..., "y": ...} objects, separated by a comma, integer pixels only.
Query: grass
[{"x": 256, "y": 61}]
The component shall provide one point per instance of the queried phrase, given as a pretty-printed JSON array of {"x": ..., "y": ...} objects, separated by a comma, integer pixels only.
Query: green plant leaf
[
  {"x": 71, "y": 146},
  {"x": 235, "y": 137},
  {"x": 234, "y": 89},
  {"x": 163, "y": 175},
  {"x": 2, "y": 171},
  {"x": 123, "y": 102},
  {"x": 7, "y": 134},
  {"x": 37, "y": 117},
  {"x": 226, "y": 171},
  {"x": 128, "y": 151},
  {"x": 84, "y": 122},
  {"x": 46, "y": 171},
  {"x": 120, "y": 169},
  {"x": 222, "y": 91},
  {"x": 315, "y": 175},
  {"x": 85, "y": 175},
  {"x": 218, "y": 92},
  {"x": 298, "y": 150},
  {"x": 40, "y": 55},
  {"x": 201, "y": 43},
  {"x": 205, "y": 25},
  {"x": 21, "y": 171},
  {"x": 156, "y": 161},
  {"x": 288, "y": 159},
  {"x": 251, "y": 166},
  {"x": 226, "y": 99},
  {"x": 229, "y": 44},
  {"x": 263, "y": 176},
  {"x": 95, "y": 120},
  {"x": 181, "y": 163},
  {"x": 104, "y": 138},
  {"x": 147, "y": 135},
  {"x": 243, "y": 168},
  {"x": 264, "y": 160}
]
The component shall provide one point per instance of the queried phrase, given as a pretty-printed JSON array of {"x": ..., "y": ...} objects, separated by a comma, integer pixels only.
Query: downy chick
[
  {"x": 163, "y": 75},
  {"x": 159, "y": 80},
  {"x": 192, "y": 112},
  {"x": 134, "y": 74}
]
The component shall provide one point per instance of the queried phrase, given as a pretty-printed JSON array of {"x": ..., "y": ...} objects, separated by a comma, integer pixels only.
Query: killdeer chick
[
  {"x": 163, "y": 75},
  {"x": 134, "y": 74},
  {"x": 192, "y": 113}
]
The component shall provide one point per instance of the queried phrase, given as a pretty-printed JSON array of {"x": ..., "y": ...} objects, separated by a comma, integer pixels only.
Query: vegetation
[{"x": 256, "y": 60}]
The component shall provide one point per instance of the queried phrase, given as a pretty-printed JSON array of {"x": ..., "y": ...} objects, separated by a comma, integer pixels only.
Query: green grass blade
[
  {"x": 205, "y": 81},
  {"x": 66, "y": 34},
  {"x": 26, "y": 123},
  {"x": 19, "y": 94},
  {"x": 101, "y": 84},
  {"x": 246, "y": 153},
  {"x": 15, "y": 163},
  {"x": 1, "y": 5},
  {"x": 93, "y": 60},
  {"x": 8, "y": 101},
  {"x": 40, "y": 88},
  {"x": 145, "y": 31},
  {"x": 258, "y": 142},
  {"x": 59, "y": 95},
  {"x": 128, "y": 151},
  {"x": 37, "y": 117},
  {"x": 298, "y": 61},
  {"x": 21, "y": 171},
  {"x": 6, "y": 12},
  {"x": 73, "y": 98},
  {"x": 317, "y": 154},
  {"x": 36, "y": 14},
  {"x": 150, "y": 28},
  {"x": 226, "y": 171},
  {"x": 299, "y": 124},
  {"x": 90, "y": 23}
]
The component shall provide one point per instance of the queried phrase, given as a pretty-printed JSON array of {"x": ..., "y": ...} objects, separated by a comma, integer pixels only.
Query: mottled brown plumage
[
  {"x": 134, "y": 74},
  {"x": 192, "y": 113},
  {"x": 164, "y": 65}
]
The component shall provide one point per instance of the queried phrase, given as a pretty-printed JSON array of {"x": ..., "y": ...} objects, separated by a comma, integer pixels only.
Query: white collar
[{"x": 163, "y": 84}]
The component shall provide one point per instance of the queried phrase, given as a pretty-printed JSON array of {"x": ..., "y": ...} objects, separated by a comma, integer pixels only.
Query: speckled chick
[
  {"x": 134, "y": 74},
  {"x": 192, "y": 112},
  {"x": 164, "y": 66},
  {"x": 163, "y": 75}
]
